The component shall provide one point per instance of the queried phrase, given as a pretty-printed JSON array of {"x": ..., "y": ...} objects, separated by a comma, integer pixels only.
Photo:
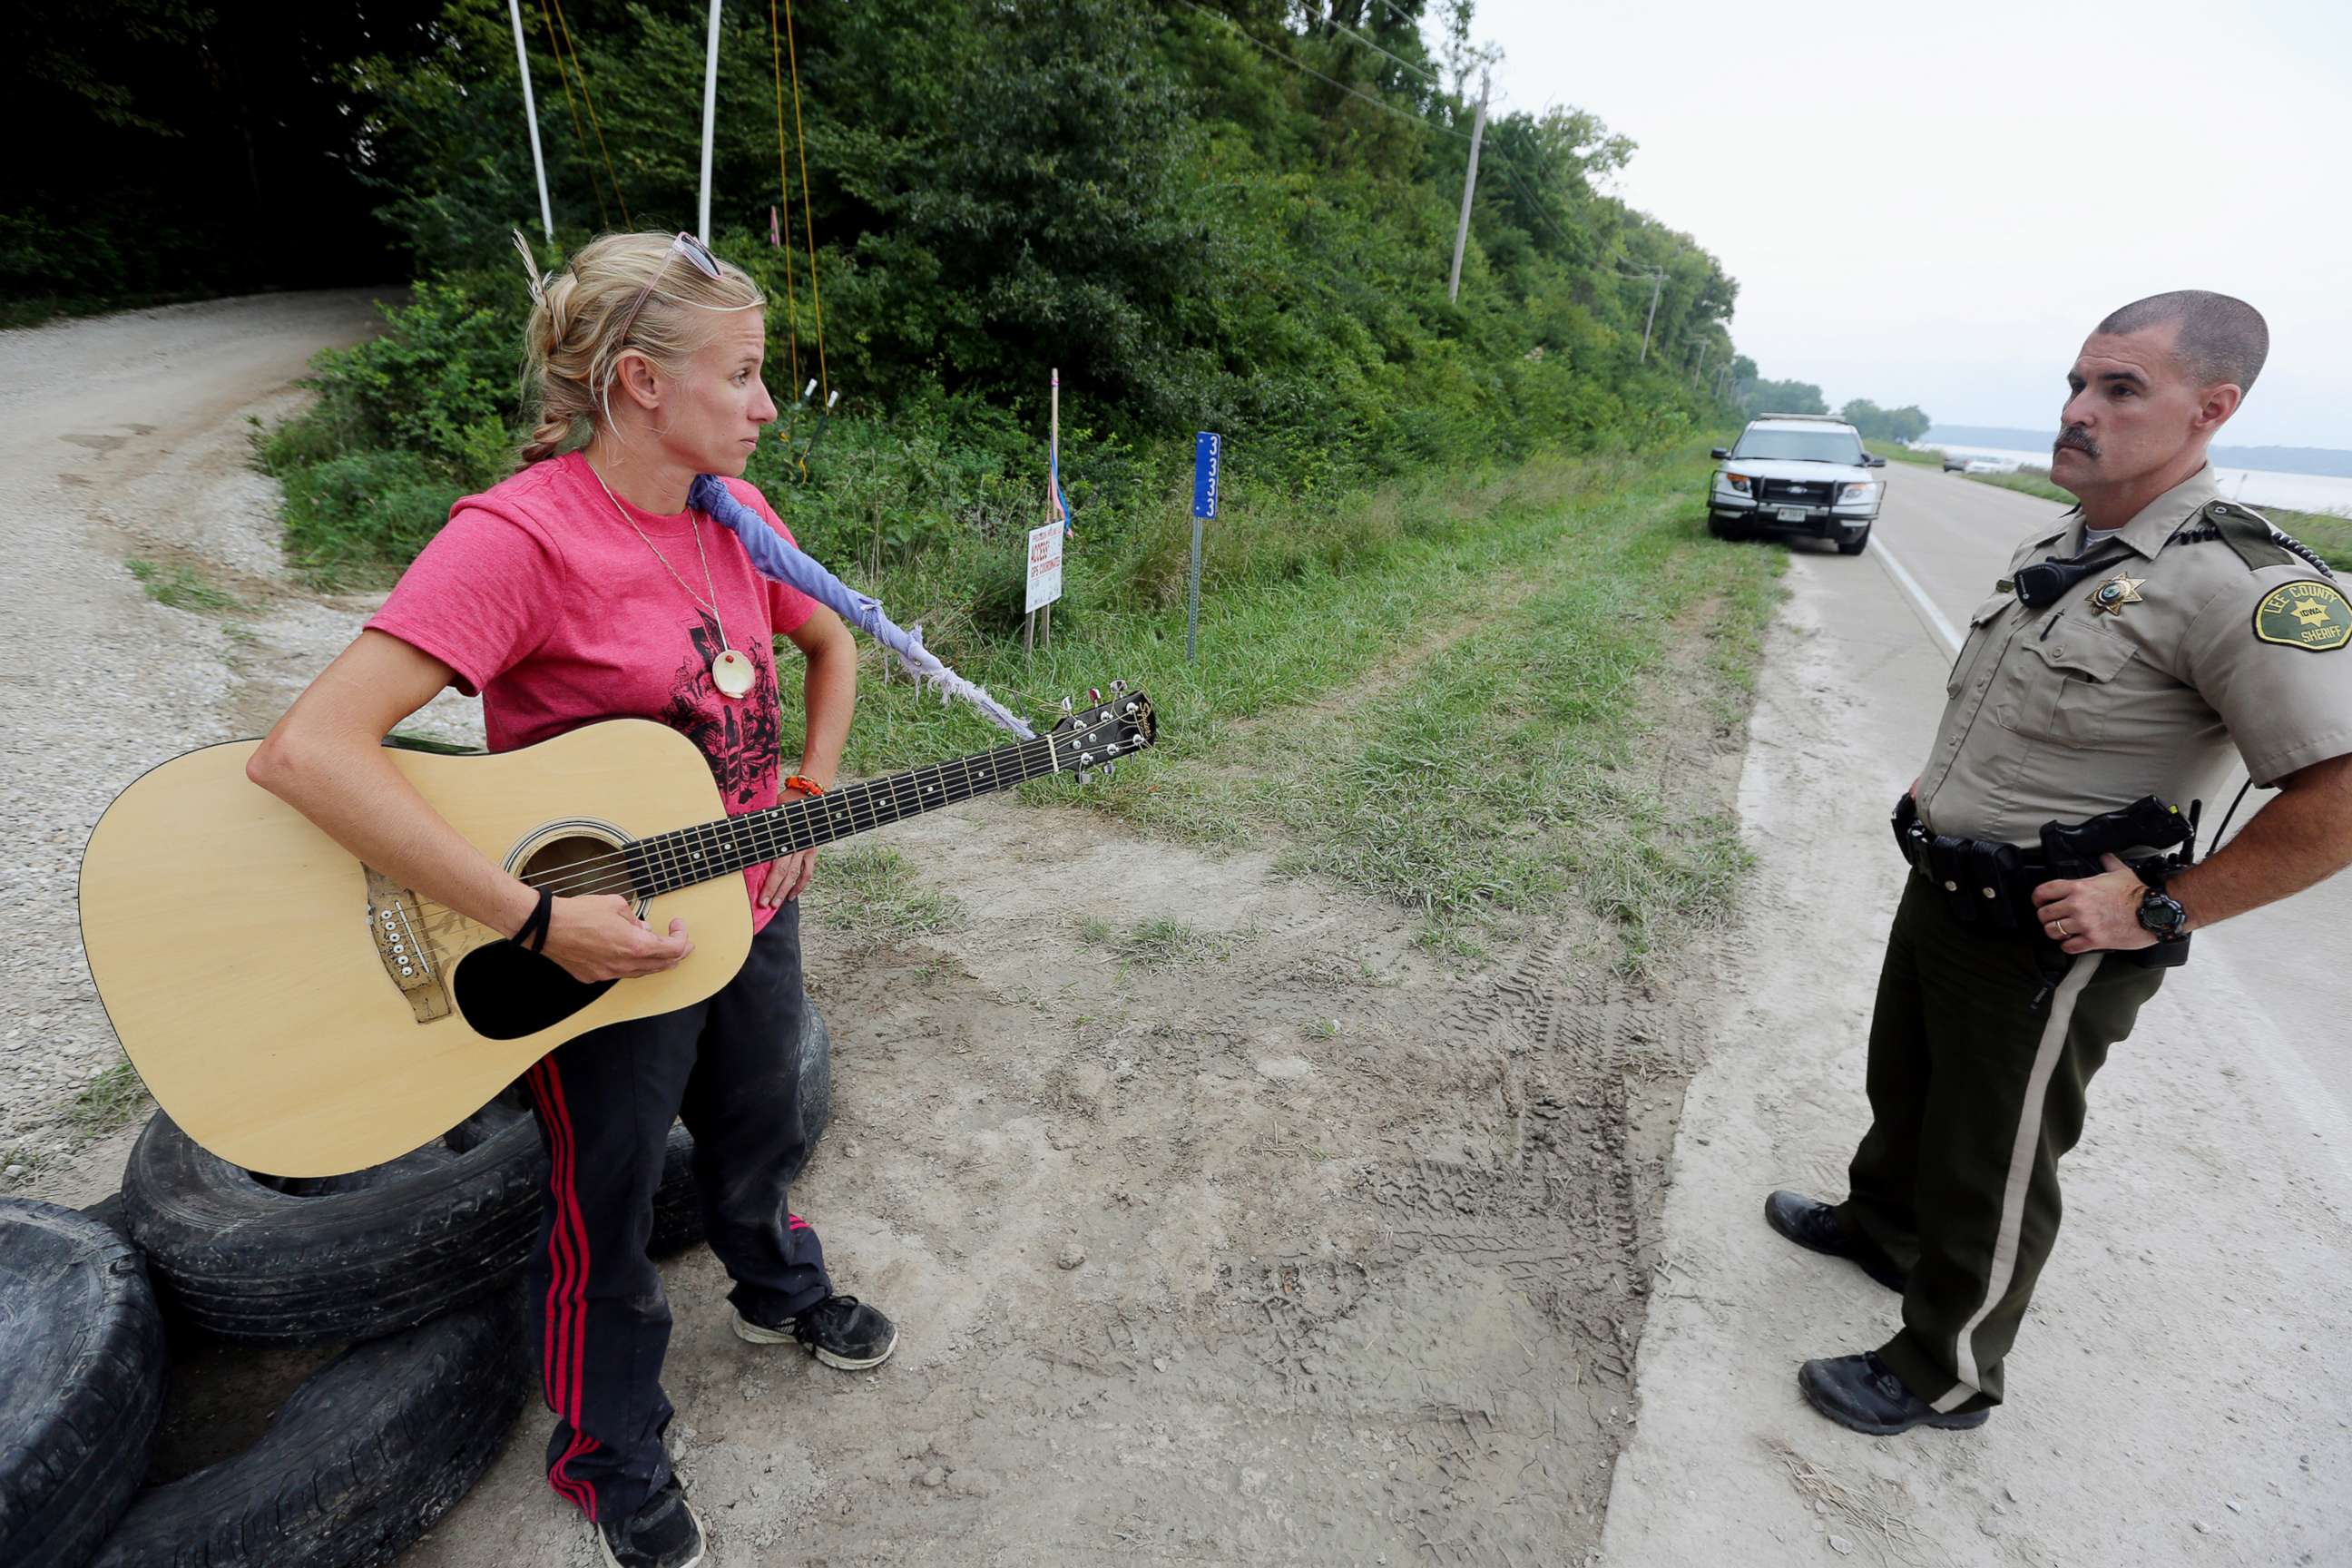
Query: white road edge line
[{"x": 1908, "y": 586}]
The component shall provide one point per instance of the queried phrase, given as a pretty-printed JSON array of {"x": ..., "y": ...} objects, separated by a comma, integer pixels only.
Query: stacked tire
[
  {"x": 81, "y": 1382},
  {"x": 415, "y": 1263}
]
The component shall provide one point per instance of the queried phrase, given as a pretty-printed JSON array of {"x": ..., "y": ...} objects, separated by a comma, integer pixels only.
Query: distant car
[
  {"x": 1796, "y": 473},
  {"x": 1954, "y": 463},
  {"x": 1989, "y": 466}
]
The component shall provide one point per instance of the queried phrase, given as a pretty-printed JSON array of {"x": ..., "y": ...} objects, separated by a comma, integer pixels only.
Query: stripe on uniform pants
[{"x": 2020, "y": 1175}]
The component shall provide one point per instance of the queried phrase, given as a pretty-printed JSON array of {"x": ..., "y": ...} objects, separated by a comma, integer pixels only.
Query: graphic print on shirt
[{"x": 736, "y": 739}]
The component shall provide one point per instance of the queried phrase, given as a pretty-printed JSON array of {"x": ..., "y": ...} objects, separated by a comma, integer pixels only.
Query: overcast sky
[{"x": 1934, "y": 204}]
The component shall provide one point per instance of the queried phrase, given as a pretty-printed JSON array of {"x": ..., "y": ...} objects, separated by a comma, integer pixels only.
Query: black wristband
[{"x": 533, "y": 935}]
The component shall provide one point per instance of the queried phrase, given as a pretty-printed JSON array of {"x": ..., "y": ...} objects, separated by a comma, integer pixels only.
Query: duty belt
[{"x": 1988, "y": 887}]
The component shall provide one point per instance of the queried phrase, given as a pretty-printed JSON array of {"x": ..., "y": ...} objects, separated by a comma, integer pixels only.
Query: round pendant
[{"x": 733, "y": 674}]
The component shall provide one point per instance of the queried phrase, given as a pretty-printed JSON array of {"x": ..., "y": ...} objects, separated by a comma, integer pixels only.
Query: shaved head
[{"x": 2221, "y": 338}]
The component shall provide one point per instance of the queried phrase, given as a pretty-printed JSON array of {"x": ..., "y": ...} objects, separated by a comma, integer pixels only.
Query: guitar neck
[{"x": 669, "y": 861}]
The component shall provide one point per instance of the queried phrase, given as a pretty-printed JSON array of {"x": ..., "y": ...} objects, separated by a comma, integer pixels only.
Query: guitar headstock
[{"x": 1106, "y": 730}]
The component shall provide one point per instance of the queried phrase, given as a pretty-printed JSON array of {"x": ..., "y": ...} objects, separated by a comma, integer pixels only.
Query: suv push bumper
[{"x": 1821, "y": 521}]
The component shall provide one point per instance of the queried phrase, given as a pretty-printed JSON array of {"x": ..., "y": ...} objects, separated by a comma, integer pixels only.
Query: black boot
[
  {"x": 1862, "y": 1392},
  {"x": 1811, "y": 1222}
]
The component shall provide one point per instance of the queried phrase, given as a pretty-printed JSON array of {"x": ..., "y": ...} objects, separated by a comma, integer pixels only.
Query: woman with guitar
[{"x": 582, "y": 588}]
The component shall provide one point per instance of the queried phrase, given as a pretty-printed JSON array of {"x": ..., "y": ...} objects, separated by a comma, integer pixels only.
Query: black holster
[{"x": 1988, "y": 887}]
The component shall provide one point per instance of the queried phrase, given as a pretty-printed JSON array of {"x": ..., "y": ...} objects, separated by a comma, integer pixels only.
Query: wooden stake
[{"x": 1053, "y": 497}]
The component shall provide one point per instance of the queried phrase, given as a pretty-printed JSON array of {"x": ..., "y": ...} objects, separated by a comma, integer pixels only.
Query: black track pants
[
  {"x": 604, "y": 1101},
  {"x": 1975, "y": 1093}
]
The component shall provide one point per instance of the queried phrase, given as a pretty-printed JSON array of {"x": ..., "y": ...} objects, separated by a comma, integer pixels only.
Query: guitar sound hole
[{"x": 507, "y": 993}]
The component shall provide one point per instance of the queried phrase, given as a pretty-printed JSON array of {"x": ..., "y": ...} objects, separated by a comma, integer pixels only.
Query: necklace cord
[{"x": 694, "y": 521}]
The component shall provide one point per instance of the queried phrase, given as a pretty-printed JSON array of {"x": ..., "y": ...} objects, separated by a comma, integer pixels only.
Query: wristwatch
[{"x": 2161, "y": 913}]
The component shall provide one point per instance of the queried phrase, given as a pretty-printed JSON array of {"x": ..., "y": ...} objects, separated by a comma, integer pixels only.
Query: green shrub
[{"x": 360, "y": 518}]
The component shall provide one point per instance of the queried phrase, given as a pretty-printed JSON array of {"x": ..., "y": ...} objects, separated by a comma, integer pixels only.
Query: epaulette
[{"x": 2258, "y": 542}]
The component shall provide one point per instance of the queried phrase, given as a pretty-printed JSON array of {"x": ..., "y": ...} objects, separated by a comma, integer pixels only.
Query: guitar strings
[
  {"x": 862, "y": 798},
  {"x": 862, "y": 805}
]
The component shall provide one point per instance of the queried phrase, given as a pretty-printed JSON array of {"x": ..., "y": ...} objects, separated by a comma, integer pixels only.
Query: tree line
[{"x": 1756, "y": 396}]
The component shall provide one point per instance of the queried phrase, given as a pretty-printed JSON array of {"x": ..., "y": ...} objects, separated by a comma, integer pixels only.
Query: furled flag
[
  {"x": 778, "y": 558},
  {"x": 1057, "y": 500},
  {"x": 776, "y": 231},
  {"x": 1061, "y": 505}
]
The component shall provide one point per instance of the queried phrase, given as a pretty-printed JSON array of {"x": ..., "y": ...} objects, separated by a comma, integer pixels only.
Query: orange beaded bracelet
[{"x": 805, "y": 784}]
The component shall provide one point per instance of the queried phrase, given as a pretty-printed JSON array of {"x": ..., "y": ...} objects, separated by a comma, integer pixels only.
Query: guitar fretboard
[{"x": 669, "y": 861}]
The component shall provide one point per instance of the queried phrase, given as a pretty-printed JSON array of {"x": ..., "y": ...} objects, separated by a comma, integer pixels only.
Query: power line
[
  {"x": 1380, "y": 104},
  {"x": 1350, "y": 32},
  {"x": 1535, "y": 207}
]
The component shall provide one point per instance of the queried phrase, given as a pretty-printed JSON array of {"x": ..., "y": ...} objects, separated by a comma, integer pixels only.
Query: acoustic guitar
[{"x": 301, "y": 1013}]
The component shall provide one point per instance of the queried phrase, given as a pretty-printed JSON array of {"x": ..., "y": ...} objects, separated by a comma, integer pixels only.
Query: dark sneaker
[
  {"x": 664, "y": 1533},
  {"x": 1862, "y": 1392},
  {"x": 1811, "y": 1222},
  {"x": 840, "y": 1331}
]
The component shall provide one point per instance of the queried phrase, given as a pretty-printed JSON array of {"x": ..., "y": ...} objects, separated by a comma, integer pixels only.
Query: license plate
[{"x": 1792, "y": 514}]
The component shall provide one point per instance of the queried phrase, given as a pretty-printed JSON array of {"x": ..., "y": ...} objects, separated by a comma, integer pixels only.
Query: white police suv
[{"x": 1796, "y": 473}]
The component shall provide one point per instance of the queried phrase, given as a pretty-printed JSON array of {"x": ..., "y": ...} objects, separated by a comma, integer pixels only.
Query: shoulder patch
[
  {"x": 2308, "y": 615},
  {"x": 2253, "y": 537}
]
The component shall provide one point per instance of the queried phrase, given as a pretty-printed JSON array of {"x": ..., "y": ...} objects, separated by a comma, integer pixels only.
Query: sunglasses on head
[{"x": 685, "y": 245}]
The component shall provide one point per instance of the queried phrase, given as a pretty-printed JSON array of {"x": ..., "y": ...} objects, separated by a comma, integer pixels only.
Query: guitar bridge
[{"x": 398, "y": 924}]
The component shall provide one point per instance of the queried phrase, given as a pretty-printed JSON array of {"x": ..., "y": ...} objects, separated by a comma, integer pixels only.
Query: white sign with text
[{"x": 1045, "y": 566}]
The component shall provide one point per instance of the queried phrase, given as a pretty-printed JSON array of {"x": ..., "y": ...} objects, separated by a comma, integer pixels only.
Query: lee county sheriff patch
[{"x": 2306, "y": 615}]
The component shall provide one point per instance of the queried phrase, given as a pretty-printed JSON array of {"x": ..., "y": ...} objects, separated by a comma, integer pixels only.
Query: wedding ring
[{"x": 2062, "y": 930}]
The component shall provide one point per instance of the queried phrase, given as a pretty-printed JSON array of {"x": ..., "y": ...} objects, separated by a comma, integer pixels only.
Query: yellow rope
[
  {"x": 579, "y": 132},
  {"x": 785, "y": 186},
  {"x": 808, "y": 215},
  {"x": 626, "y": 220}
]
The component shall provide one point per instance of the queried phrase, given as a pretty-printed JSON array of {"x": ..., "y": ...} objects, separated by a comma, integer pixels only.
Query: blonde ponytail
[{"x": 579, "y": 327}]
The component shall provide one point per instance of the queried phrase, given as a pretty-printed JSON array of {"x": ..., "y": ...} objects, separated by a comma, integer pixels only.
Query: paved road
[
  {"x": 2179, "y": 1391},
  {"x": 1952, "y": 537}
]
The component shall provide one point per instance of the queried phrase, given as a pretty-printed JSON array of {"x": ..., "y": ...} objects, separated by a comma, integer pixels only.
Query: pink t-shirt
[{"x": 551, "y": 608}]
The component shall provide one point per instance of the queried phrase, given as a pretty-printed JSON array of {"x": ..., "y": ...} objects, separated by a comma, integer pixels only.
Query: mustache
[{"x": 2072, "y": 436}]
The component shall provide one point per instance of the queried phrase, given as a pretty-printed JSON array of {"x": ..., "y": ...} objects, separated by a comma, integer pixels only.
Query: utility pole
[
  {"x": 1469, "y": 184},
  {"x": 1658, "y": 287},
  {"x": 531, "y": 117},
  {"x": 1698, "y": 376},
  {"x": 709, "y": 118}
]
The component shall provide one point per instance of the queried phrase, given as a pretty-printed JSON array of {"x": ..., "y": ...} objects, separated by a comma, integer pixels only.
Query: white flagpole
[
  {"x": 531, "y": 117},
  {"x": 709, "y": 118}
]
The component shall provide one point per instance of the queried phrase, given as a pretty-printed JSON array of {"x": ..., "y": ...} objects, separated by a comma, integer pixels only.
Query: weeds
[
  {"x": 1158, "y": 944},
  {"x": 1576, "y": 606},
  {"x": 872, "y": 894},
  {"x": 113, "y": 1099},
  {"x": 181, "y": 588}
]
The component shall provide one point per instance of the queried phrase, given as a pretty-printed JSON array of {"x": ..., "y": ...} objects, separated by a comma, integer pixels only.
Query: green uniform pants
[{"x": 1975, "y": 1092}]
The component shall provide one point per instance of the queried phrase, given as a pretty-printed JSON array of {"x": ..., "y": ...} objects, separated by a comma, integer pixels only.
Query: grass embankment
[
  {"x": 1893, "y": 453},
  {"x": 1477, "y": 711}
]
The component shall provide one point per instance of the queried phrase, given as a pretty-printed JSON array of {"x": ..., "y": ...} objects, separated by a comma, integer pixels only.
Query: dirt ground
[{"x": 1306, "y": 1247}]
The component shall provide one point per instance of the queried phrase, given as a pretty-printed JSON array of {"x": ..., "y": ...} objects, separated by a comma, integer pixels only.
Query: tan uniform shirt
[{"x": 2143, "y": 677}]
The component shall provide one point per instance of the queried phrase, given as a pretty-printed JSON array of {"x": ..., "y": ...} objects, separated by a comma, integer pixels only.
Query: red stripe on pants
[{"x": 565, "y": 1349}]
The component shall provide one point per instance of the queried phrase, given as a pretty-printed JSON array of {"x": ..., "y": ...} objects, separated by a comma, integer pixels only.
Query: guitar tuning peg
[
  {"x": 1118, "y": 686},
  {"x": 1109, "y": 768},
  {"x": 1067, "y": 705},
  {"x": 1094, "y": 693}
]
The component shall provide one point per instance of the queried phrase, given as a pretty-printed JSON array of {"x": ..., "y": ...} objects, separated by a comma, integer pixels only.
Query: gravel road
[{"x": 124, "y": 438}]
